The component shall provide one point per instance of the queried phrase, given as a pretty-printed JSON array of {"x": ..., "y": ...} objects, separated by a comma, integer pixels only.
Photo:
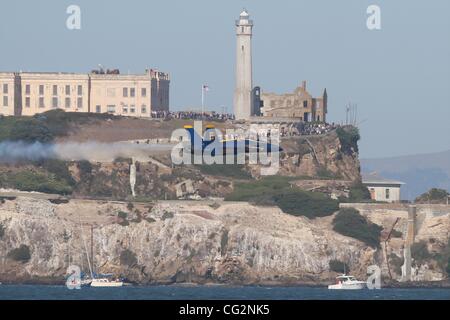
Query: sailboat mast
[
  {"x": 86, "y": 251},
  {"x": 92, "y": 247}
]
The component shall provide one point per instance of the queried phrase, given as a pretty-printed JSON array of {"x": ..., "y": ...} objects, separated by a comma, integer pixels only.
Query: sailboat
[{"x": 104, "y": 280}]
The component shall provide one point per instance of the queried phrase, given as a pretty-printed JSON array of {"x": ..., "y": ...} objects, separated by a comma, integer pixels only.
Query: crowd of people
[
  {"x": 192, "y": 115},
  {"x": 314, "y": 128},
  {"x": 301, "y": 128}
]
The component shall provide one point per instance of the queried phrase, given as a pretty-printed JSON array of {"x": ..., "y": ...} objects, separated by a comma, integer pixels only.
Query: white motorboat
[
  {"x": 106, "y": 282},
  {"x": 345, "y": 282}
]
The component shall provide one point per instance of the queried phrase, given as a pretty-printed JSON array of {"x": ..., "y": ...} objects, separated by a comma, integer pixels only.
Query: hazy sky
[{"x": 399, "y": 76}]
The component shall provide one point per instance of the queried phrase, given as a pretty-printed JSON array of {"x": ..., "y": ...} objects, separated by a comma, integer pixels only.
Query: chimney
[{"x": 304, "y": 85}]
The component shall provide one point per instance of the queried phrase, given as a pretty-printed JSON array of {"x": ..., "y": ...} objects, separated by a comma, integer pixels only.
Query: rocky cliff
[
  {"x": 183, "y": 242},
  {"x": 174, "y": 241}
]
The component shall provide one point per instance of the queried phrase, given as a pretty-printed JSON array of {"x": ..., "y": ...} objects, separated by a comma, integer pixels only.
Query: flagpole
[{"x": 203, "y": 99}]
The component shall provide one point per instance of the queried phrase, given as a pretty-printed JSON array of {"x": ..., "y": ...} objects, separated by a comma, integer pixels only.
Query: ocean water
[{"x": 173, "y": 292}]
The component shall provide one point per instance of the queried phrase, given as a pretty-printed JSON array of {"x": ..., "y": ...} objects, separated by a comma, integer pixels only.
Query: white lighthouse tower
[{"x": 244, "y": 85}]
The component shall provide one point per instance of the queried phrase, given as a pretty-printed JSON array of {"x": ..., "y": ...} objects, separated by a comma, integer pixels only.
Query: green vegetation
[
  {"x": 44, "y": 127},
  {"x": 21, "y": 254},
  {"x": 122, "y": 215},
  {"x": 448, "y": 267},
  {"x": 359, "y": 193},
  {"x": 234, "y": 171},
  {"x": 28, "y": 180},
  {"x": 434, "y": 195},
  {"x": 419, "y": 251},
  {"x": 277, "y": 190},
  {"x": 167, "y": 215},
  {"x": 128, "y": 258},
  {"x": 349, "y": 222},
  {"x": 349, "y": 137},
  {"x": 85, "y": 167},
  {"x": 396, "y": 262},
  {"x": 324, "y": 173},
  {"x": 2, "y": 230},
  {"x": 338, "y": 266},
  {"x": 396, "y": 234}
]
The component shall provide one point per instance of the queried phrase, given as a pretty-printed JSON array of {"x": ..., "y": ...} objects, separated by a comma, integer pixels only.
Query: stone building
[
  {"x": 300, "y": 105},
  {"x": 30, "y": 93}
]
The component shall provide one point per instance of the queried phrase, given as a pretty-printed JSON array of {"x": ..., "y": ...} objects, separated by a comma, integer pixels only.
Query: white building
[
  {"x": 244, "y": 81},
  {"x": 382, "y": 189}
]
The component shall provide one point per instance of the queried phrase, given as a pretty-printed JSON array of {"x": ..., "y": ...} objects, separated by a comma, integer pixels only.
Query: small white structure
[{"x": 382, "y": 189}]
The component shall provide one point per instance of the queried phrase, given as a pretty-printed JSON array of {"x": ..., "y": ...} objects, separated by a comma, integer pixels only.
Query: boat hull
[
  {"x": 353, "y": 286},
  {"x": 96, "y": 284}
]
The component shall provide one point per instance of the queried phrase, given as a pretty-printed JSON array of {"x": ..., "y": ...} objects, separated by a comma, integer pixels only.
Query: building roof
[
  {"x": 244, "y": 13},
  {"x": 374, "y": 178}
]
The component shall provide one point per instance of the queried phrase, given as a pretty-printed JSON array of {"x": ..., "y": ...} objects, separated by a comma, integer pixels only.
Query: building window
[
  {"x": 55, "y": 90},
  {"x": 80, "y": 90},
  {"x": 132, "y": 92},
  {"x": 144, "y": 92},
  {"x": 305, "y": 104},
  {"x": 67, "y": 90},
  {"x": 41, "y": 102},
  {"x": 27, "y": 89},
  {"x": 144, "y": 109},
  {"x": 80, "y": 103},
  {"x": 125, "y": 109},
  {"x": 41, "y": 90},
  {"x": 132, "y": 109},
  {"x": 27, "y": 102},
  {"x": 98, "y": 109},
  {"x": 5, "y": 101},
  {"x": 111, "y": 108},
  {"x": 5, "y": 88},
  {"x": 67, "y": 103},
  {"x": 125, "y": 92},
  {"x": 110, "y": 92},
  {"x": 388, "y": 193},
  {"x": 54, "y": 102}
]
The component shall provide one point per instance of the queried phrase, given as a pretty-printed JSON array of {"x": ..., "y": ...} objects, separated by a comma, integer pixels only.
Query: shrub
[
  {"x": 128, "y": 258},
  {"x": 359, "y": 192},
  {"x": 278, "y": 191},
  {"x": 338, "y": 266},
  {"x": 419, "y": 251},
  {"x": 448, "y": 267},
  {"x": 309, "y": 204},
  {"x": 34, "y": 181},
  {"x": 2, "y": 230},
  {"x": 59, "y": 169},
  {"x": 85, "y": 167},
  {"x": 396, "y": 262},
  {"x": 167, "y": 215},
  {"x": 396, "y": 234},
  {"x": 21, "y": 254},
  {"x": 122, "y": 215},
  {"x": 130, "y": 206},
  {"x": 349, "y": 222},
  {"x": 324, "y": 173},
  {"x": 30, "y": 130},
  {"x": 433, "y": 195},
  {"x": 348, "y": 137}
]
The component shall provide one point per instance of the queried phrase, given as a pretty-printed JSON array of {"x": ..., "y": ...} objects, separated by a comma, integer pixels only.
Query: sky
[{"x": 398, "y": 76}]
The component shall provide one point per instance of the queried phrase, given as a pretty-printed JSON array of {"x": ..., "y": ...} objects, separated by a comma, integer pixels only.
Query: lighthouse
[{"x": 243, "y": 90}]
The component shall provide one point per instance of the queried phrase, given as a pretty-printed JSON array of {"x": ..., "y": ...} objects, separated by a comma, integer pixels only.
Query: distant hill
[{"x": 420, "y": 172}]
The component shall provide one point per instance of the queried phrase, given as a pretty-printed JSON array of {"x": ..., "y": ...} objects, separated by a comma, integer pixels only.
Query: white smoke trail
[{"x": 92, "y": 151}]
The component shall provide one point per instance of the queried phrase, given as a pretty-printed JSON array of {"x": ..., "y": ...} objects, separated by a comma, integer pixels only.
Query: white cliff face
[{"x": 176, "y": 241}]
